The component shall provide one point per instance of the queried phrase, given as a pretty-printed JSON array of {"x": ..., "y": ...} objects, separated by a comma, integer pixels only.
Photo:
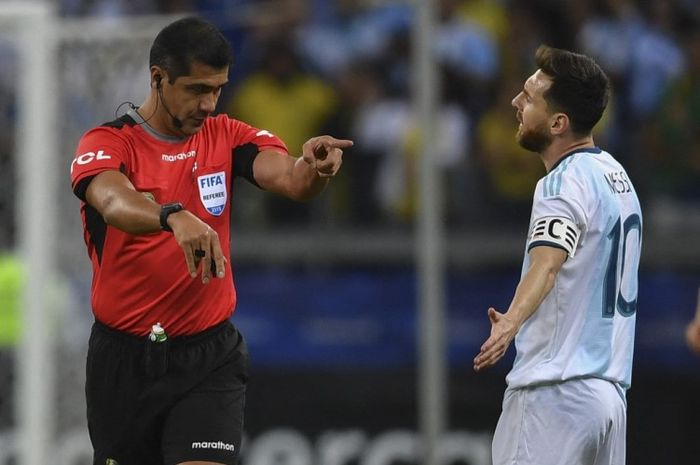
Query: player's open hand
[
  {"x": 325, "y": 154},
  {"x": 503, "y": 330},
  {"x": 200, "y": 244},
  {"x": 692, "y": 336},
  {"x": 692, "y": 331}
]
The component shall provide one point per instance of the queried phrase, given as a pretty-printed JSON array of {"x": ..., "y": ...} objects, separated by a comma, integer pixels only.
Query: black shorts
[{"x": 192, "y": 411}]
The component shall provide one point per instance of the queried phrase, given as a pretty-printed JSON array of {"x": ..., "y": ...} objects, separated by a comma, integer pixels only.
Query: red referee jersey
[{"x": 139, "y": 280}]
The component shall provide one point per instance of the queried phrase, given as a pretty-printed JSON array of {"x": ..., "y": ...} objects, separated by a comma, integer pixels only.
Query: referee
[{"x": 166, "y": 370}]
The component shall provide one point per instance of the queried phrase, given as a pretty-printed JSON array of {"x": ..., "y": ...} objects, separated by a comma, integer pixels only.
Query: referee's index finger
[
  {"x": 338, "y": 143},
  {"x": 328, "y": 142}
]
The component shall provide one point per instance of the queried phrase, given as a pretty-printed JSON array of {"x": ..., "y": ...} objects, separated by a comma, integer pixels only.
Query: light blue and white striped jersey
[{"x": 587, "y": 206}]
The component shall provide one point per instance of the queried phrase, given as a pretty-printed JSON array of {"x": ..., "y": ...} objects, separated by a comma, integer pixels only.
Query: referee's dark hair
[
  {"x": 580, "y": 88},
  {"x": 189, "y": 40}
]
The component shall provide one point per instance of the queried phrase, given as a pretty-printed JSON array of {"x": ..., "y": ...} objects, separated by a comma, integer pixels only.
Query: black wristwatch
[{"x": 166, "y": 210}]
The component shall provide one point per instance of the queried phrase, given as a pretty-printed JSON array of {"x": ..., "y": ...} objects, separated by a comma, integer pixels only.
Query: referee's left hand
[
  {"x": 200, "y": 245},
  {"x": 325, "y": 154}
]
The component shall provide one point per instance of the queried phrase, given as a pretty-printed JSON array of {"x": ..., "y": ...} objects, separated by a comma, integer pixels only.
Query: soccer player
[
  {"x": 573, "y": 312},
  {"x": 166, "y": 370}
]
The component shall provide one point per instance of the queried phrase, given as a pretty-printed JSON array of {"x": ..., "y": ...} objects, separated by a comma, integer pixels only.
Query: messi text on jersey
[{"x": 618, "y": 182}]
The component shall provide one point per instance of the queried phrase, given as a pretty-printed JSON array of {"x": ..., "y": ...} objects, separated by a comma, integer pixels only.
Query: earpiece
[{"x": 159, "y": 86}]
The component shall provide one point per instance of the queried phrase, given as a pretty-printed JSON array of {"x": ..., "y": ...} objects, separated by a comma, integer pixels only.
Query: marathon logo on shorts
[
  {"x": 220, "y": 445},
  {"x": 212, "y": 192}
]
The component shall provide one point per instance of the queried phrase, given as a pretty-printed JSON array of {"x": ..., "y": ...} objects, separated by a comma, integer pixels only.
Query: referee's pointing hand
[{"x": 325, "y": 154}]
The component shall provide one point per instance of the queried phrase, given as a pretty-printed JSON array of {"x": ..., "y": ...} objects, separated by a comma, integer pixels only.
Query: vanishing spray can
[
  {"x": 158, "y": 333},
  {"x": 156, "y": 354}
]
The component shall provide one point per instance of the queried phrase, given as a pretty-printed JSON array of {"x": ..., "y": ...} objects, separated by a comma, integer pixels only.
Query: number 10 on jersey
[{"x": 621, "y": 271}]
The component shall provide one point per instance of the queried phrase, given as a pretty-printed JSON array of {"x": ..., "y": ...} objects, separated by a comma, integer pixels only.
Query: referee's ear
[{"x": 157, "y": 74}]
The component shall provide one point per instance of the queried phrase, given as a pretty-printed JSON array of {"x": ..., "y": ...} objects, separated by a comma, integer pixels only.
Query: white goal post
[
  {"x": 30, "y": 24},
  {"x": 70, "y": 74}
]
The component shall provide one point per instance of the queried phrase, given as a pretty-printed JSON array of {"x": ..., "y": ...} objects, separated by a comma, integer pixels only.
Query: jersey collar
[
  {"x": 595, "y": 150},
  {"x": 147, "y": 127}
]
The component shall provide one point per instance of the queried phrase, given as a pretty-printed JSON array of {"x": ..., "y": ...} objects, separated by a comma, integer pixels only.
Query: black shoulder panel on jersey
[
  {"x": 243, "y": 158},
  {"x": 120, "y": 122},
  {"x": 81, "y": 187},
  {"x": 96, "y": 229}
]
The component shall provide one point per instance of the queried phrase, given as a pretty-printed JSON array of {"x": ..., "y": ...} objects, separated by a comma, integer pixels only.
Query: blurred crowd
[{"x": 305, "y": 67}]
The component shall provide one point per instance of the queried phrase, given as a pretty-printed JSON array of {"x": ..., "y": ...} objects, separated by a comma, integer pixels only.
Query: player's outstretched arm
[
  {"x": 304, "y": 177},
  {"x": 114, "y": 197},
  {"x": 692, "y": 331},
  {"x": 545, "y": 263}
]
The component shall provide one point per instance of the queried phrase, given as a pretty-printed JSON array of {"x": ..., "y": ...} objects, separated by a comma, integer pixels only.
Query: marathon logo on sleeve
[
  {"x": 555, "y": 231},
  {"x": 212, "y": 192}
]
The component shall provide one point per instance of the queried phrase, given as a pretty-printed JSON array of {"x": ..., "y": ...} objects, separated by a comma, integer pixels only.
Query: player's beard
[{"x": 536, "y": 139}]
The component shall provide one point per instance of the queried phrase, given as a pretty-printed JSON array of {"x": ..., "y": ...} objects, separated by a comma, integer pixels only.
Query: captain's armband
[{"x": 555, "y": 231}]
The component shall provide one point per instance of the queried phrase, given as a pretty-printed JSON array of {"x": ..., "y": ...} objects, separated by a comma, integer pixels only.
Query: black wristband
[{"x": 166, "y": 210}]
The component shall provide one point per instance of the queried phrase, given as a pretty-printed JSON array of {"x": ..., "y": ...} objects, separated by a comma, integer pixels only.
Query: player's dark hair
[
  {"x": 580, "y": 88},
  {"x": 186, "y": 41}
]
